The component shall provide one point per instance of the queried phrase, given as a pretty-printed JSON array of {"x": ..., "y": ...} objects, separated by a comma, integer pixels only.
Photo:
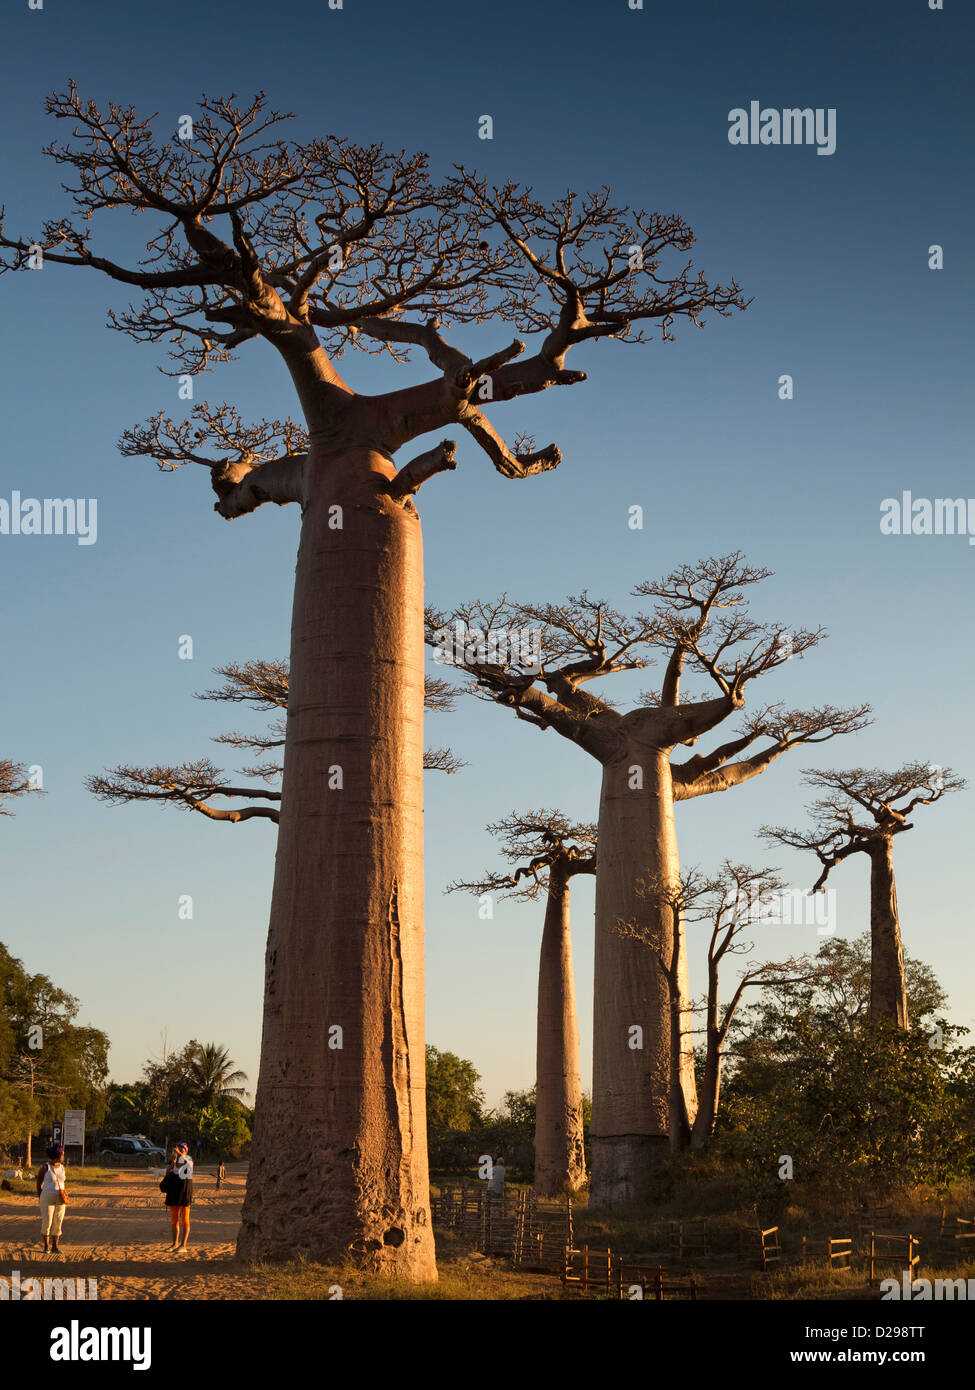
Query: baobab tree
[
  {"x": 736, "y": 899},
  {"x": 862, "y": 811},
  {"x": 700, "y": 622},
  {"x": 315, "y": 248},
  {"x": 196, "y": 785},
  {"x": 549, "y": 851}
]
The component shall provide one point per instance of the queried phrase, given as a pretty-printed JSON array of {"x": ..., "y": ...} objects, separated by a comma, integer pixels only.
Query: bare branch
[
  {"x": 411, "y": 478},
  {"x": 191, "y": 786},
  {"x": 541, "y": 843},
  {"x": 840, "y": 828},
  {"x": 786, "y": 728},
  {"x": 442, "y": 760},
  {"x": 325, "y": 245},
  {"x": 14, "y": 781}
]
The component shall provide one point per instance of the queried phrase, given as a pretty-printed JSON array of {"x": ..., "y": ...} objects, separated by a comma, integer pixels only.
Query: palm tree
[{"x": 213, "y": 1078}]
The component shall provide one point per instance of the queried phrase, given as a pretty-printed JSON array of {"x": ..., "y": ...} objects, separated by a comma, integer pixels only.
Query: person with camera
[{"x": 177, "y": 1185}]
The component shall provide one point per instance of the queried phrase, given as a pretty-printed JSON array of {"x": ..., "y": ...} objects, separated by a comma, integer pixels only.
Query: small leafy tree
[
  {"x": 223, "y": 1128},
  {"x": 454, "y": 1095},
  {"x": 861, "y": 1107},
  {"x": 47, "y": 1059}
]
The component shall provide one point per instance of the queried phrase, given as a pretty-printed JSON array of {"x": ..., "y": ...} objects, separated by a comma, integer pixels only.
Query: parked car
[
  {"x": 124, "y": 1148},
  {"x": 144, "y": 1142}
]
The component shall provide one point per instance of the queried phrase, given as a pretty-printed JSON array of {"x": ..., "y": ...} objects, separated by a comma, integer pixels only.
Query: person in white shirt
[
  {"x": 52, "y": 1195},
  {"x": 177, "y": 1184},
  {"x": 496, "y": 1180}
]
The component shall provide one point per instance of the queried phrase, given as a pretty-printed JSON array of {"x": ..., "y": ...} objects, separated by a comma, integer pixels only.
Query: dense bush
[{"x": 865, "y": 1111}]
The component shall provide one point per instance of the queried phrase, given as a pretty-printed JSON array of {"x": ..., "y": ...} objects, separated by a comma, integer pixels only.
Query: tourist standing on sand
[
  {"x": 53, "y": 1198},
  {"x": 177, "y": 1184}
]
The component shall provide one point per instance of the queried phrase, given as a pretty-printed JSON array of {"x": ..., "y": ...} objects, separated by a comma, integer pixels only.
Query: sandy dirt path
[{"x": 118, "y": 1232}]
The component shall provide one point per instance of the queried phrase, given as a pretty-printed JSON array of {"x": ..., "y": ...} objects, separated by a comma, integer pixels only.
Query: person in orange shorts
[{"x": 177, "y": 1185}]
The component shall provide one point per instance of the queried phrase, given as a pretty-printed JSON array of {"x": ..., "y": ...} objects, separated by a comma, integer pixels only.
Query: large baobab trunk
[
  {"x": 339, "y": 1161},
  {"x": 888, "y": 988},
  {"x": 560, "y": 1162},
  {"x": 632, "y": 1047}
]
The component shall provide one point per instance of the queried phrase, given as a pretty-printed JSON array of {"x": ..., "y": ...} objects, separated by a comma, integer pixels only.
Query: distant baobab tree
[
  {"x": 318, "y": 247},
  {"x": 195, "y": 786},
  {"x": 549, "y": 851},
  {"x": 734, "y": 900},
  {"x": 699, "y": 621},
  {"x": 862, "y": 811}
]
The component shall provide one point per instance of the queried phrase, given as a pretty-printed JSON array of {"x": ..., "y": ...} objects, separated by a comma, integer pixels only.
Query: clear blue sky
[{"x": 834, "y": 251}]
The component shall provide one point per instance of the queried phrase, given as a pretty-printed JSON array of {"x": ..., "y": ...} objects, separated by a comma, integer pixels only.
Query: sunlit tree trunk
[
  {"x": 631, "y": 1125},
  {"x": 888, "y": 987},
  {"x": 560, "y": 1163},
  {"x": 339, "y": 1162}
]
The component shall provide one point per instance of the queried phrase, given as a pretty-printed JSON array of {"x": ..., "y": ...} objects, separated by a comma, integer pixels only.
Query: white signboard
[{"x": 74, "y": 1127}]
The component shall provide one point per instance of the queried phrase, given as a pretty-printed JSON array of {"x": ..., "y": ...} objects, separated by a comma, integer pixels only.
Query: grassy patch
[
  {"x": 15, "y": 1189},
  {"x": 95, "y": 1174},
  {"x": 812, "y": 1281},
  {"x": 73, "y": 1177},
  {"x": 463, "y": 1278}
]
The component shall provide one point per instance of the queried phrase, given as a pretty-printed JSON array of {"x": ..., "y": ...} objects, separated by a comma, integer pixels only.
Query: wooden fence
[
  {"x": 510, "y": 1223},
  {"x": 869, "y": 1218},
  {"x": 960, "y": 1228},
  {"x": 761, "y": 1244},
  {"x": 540, "y": 1238},
  {"x": 837, "y": 1251},
  {"x": 689, "y": 1237},
  {"x": 897, "y": 1253},
  {"x": 584, "y": 1270}
]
